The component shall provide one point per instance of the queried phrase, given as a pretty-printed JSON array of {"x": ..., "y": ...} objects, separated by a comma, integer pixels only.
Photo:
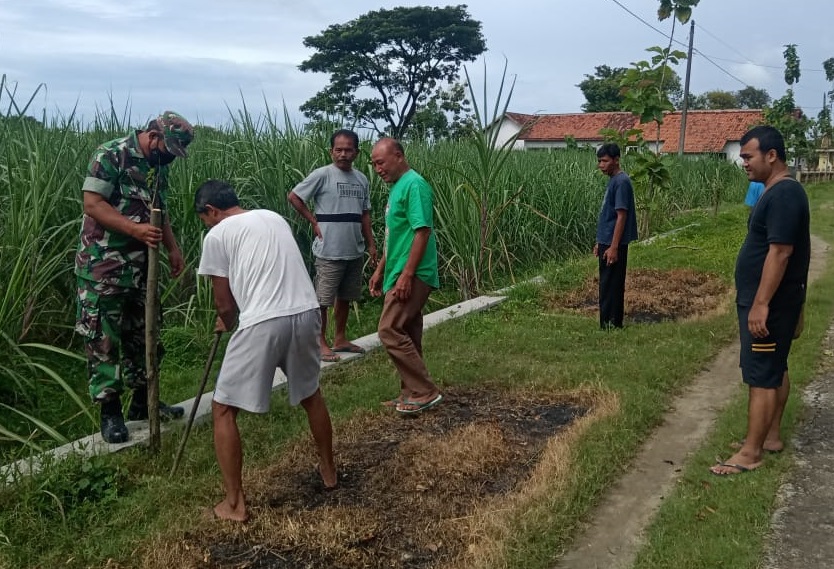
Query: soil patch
[
  {"x": 407, "y": 487},
  {"x": 653, "y": 295}
]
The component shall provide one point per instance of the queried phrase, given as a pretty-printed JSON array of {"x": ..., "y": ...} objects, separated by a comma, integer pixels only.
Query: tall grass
[{"x": 499, "y": 213}]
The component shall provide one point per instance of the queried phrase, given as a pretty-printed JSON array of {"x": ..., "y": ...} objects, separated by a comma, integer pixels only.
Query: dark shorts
[
  {"x": 764, "y": 361},
  {"x": 340, "y": 279}
]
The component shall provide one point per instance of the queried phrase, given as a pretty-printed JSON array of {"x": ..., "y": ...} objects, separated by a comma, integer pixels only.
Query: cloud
[
  {"x": 102, "y": 43},
  {"x": 109, "y": 9},
  {"x": 753, "y": 74},
  {"x": 201, "y": 90},
  {"x": 209, "y": 50}
]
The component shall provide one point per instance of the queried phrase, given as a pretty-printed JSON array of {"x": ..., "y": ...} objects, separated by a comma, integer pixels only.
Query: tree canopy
[
  {"x": 447, "y": 114},
  {"x": 604, "y": 91},
  {"x": 680, "y": 9},
  {"x": 752, "y": 98},
  {"x": 386, "y": 64}
]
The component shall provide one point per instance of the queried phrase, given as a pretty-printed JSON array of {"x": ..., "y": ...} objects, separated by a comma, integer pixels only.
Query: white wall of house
[
  {"x": 732, "y": 150},
  {"x": 543, "y": 144},
  {"x": 506, "y": 131}
]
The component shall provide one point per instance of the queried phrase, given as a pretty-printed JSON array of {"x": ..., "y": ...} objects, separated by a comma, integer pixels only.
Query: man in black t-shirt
[{"x": 771, "y": 277}]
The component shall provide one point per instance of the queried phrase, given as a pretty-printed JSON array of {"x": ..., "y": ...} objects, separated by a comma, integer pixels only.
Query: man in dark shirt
[
  {"x": 771, "y": 277},
  {"x": 616, "y": 228}
]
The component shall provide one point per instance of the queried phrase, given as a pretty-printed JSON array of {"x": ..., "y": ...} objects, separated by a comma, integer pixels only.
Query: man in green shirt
[{"x": 406, "y": 275}]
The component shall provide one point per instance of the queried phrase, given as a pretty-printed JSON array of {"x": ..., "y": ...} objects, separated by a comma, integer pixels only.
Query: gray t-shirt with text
[{"x": 340, "y": 198}]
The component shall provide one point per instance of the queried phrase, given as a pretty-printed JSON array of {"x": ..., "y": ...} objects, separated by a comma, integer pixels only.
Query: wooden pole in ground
[{"x": 152, "y": 338}]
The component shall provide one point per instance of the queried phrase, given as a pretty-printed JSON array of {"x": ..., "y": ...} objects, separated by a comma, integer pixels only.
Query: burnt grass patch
[
  {"x": 407, "y": 485},
  {"x": 653, "y": 295}
]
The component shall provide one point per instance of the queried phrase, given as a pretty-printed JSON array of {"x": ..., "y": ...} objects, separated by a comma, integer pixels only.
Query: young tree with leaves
[
  {"x": 784, "y": 114},
  {"x": 824, "y": 117},
  {"x": 644, "y": 97},
  {"x": 386, "y": 64},
  {"x": 603, "y": 92}
]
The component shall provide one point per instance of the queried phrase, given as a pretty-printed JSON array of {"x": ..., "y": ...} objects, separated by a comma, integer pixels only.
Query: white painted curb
[{"x": 93, "y": 444}]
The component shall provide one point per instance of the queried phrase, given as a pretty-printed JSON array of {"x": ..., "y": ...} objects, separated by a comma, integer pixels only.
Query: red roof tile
[{"x": 706, "y": 131}]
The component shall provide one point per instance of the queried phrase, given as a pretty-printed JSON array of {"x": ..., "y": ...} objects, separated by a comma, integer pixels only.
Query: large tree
[
  {"x": 387, "y": 63},
  {"x": 714, "y": 100},
  {"x": 448, "y": 114},
  {"x": 604, "y": 92},
  {"x": 752, "y": 98},
  {"x": 747, "y": 98},
  {"x": 602, "y": 89}
]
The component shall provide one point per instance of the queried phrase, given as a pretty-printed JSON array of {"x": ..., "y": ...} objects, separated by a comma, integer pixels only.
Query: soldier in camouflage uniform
[{"x": 125, "y": 179}]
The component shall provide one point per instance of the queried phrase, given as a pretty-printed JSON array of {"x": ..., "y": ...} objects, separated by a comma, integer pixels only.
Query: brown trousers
[{"x": 401, "y": 332}]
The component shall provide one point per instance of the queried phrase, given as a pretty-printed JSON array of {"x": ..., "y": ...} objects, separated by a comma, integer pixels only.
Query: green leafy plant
[
  {"x": 470, "y": 213},
  {"x": 644, "y": 97},
  {"x": 784, "y": 114},
  {"x": 77, "y": 481}
]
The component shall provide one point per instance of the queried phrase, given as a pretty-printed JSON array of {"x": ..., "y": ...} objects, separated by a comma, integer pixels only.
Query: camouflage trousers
[{"x": 111, "y": 320}]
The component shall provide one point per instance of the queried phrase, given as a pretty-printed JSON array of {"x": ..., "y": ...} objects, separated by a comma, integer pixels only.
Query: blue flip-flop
[{"x": 418, "y": 406}]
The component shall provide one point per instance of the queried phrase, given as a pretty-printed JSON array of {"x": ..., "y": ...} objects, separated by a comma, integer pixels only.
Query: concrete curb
[{"x": 139, "y": 435}]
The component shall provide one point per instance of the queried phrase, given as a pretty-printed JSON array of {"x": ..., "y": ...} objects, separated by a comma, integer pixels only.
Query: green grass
[
  {"x": 498, "y": 217},
  {"x": 712, "y": 522},
  {"x": 516, "y": 345}
]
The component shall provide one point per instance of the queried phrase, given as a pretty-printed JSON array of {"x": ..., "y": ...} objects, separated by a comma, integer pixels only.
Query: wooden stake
[{"x": 152, "y": 338}]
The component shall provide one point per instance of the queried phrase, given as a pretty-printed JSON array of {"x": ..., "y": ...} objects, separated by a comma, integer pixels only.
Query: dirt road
[{"x": 615, "y": 531}]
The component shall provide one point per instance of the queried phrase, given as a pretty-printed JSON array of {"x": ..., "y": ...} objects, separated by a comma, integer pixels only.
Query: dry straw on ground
[
  {"x": 446, "y": 489},
  {"x": 653, "y": 295}
]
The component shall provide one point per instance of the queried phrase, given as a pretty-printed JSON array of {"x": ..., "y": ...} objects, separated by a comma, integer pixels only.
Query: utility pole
[{"x": 682, "y": 138}]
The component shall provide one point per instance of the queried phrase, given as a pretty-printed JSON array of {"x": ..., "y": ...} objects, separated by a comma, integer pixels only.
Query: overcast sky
[{"x": 203, "y": 57}]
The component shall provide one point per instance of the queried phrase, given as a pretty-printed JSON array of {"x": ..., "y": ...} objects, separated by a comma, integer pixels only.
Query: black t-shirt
[{"x": 780, "y": 216}]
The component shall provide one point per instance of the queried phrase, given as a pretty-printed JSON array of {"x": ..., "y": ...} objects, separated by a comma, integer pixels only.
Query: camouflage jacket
[{"x": 120, "y": 173}]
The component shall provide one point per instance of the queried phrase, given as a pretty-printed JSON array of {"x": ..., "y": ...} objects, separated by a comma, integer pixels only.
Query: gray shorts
[
  {"x": 340, "y": 279},
  {"x": 253, "y": 354}
]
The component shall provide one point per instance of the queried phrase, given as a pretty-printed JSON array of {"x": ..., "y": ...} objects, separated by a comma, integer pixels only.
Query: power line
[
  {"x": 747, "y": 60},
  {"x": 709, "y": 58},
  {"x": 720, "y": 68},
  {"x": 681, "y": 43},
  {"x": 725, "y": 44},
  {"x": 664, "y": 34}
]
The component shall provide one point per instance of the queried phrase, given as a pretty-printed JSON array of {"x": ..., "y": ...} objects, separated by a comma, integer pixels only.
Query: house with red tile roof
[{"x": 707, "y": 132}]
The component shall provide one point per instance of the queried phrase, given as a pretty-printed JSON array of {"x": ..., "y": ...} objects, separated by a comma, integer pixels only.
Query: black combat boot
[
  {"x": 138, "y": 410},
  {"x": 113, "y": 429}
]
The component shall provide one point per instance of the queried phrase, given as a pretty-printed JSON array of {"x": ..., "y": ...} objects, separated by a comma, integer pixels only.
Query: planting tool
[
  {"x": 196, "y": 404},
  {"x": 152, "y": 339}
]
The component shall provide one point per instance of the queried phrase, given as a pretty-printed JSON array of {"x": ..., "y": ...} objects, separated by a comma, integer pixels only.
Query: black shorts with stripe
[{"x": 764, "y": 361}]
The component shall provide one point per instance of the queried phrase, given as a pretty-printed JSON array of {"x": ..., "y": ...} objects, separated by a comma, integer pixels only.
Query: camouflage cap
[{"x": 177, "y": 132}]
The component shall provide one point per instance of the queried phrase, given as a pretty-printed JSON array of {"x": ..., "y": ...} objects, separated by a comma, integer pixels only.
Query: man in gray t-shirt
[{"x": 341, "y": 220}]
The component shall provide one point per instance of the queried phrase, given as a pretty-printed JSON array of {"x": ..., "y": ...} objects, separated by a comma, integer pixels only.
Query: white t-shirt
[{"x": 257, "y": 252}]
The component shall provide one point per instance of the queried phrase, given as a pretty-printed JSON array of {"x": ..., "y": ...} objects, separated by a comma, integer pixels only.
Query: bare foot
[
  {"x": 392, "y": 402},
  {"x": 328, "y": 476},
  {"x": 736, "y": 464},
  {"x": 225, "y": 511},
  {"x": 769, "y": 446},
  {"x": 348, "y": 347},
  {"x": 327, "y": 355}
]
